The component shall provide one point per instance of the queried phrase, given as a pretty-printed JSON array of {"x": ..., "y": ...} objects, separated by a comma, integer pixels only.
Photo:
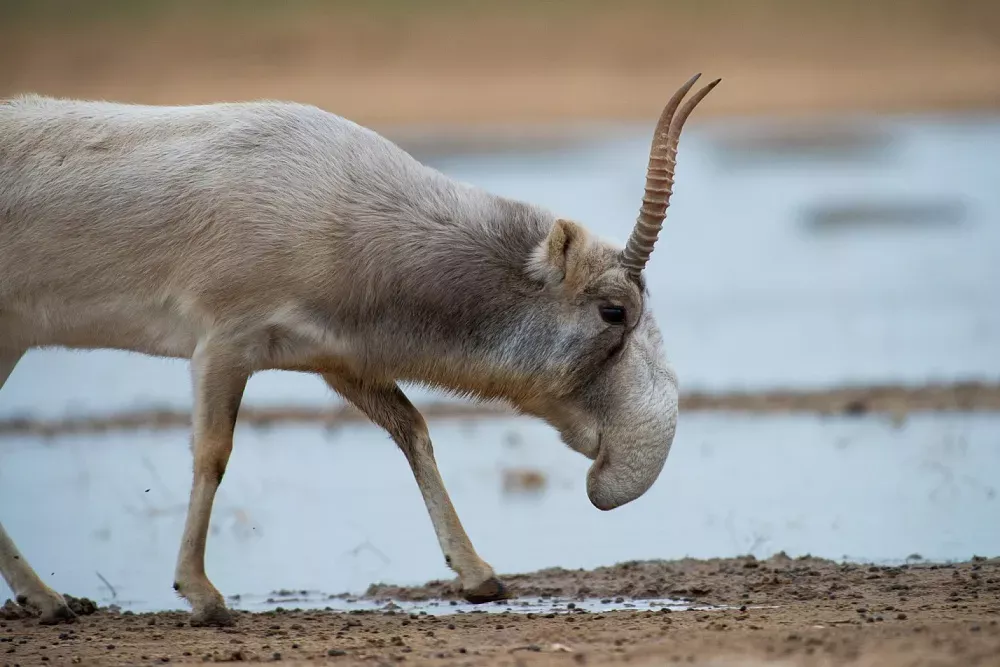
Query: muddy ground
[{"x": 785, "y": 611}]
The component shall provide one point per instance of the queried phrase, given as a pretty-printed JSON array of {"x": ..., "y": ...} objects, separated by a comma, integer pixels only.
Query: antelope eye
[{"x": 612, "y": 314}]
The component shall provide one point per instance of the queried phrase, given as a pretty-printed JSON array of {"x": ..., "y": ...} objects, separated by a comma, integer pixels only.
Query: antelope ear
[{"x": 557, "y": 257}]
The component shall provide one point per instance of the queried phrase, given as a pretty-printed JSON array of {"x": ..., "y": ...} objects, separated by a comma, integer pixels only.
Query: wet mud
[{"x": 742, "y": 611}]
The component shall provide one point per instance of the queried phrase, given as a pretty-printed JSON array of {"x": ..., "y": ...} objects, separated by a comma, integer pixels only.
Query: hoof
[
  {"x": 490, "y": 590},
  {"x": 215, "y": 616},
  {"x": 60, "y": 614}
]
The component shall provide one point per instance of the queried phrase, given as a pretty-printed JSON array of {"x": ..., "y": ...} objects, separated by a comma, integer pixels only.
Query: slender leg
[
  {"x": 386, "y": 405},
  {"x": 219, "y": 376},
  {"x": 28, "y": 587}
]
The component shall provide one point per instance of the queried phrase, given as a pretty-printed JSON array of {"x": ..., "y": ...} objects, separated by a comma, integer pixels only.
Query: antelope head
[{"x": 619, "y": 400}]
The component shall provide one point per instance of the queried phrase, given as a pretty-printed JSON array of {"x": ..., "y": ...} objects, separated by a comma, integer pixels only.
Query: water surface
[{"x": 333, "y": 513}]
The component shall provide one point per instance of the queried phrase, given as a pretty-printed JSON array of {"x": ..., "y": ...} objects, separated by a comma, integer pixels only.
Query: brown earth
[
  {"x": 385, "y": 62},
  {"x": 779, "y": 611},
  {"x": 895, "y": 401}
]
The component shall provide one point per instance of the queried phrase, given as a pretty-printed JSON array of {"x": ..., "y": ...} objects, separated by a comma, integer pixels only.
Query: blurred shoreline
[
  {"x": 388, "y": 63},
  {"x": 894, "y": 401}
]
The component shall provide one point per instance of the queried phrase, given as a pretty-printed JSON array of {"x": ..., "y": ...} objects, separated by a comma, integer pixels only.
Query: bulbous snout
[
  {"x": 632, "y": 454},
  {"x": 625, "y": 471},
  {"x": 623, "y": 419}
]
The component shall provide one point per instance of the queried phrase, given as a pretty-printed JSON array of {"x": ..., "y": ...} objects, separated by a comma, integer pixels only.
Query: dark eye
[{"x": 612, "y": 314}]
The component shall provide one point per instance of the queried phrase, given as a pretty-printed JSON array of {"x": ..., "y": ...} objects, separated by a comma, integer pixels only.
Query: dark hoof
[
  {"x": 61, "y": 614},
  {"x": 490, "y": 590},
  {"x": 218, "y": 617}
]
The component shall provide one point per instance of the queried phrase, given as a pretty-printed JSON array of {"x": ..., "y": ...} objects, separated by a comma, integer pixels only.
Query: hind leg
[{"x": 28, "y": 587}]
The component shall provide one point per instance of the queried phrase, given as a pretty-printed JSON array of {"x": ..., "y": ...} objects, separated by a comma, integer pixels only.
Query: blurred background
[{"x": 828, "y": 285}]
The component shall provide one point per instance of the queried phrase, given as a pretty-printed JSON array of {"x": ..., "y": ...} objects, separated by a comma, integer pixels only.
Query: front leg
[
  {"x": 386, "y": 405},
  {"x": 219, "y": 374}
]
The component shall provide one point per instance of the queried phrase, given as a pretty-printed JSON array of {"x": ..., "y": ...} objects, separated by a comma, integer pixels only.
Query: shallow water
[
  {"x": 864, "y": 251},
  {"x": 546, "y": 605},
  {"x": 333, "y": 513}
]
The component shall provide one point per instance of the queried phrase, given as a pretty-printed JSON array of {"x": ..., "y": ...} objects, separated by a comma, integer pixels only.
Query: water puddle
[{"x": 546, "y": 605}]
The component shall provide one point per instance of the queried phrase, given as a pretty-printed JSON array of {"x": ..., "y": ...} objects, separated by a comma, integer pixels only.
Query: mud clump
[
  {"x": 11, "y": 610},
  {"x": 80, "y": 606}
]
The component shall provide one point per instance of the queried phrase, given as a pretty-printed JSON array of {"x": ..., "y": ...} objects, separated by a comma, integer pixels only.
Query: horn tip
[{"x": 709, "y": 87}]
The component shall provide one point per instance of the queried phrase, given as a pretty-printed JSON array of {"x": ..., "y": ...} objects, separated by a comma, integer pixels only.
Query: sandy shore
[{"x": 779, "y": 611}]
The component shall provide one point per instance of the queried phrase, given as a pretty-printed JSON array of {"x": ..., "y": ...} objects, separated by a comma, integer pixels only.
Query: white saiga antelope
[{"x": 253, "y": 236}]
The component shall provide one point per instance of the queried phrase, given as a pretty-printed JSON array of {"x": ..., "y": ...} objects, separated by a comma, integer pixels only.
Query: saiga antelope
[{"x": 263, "y": 235}]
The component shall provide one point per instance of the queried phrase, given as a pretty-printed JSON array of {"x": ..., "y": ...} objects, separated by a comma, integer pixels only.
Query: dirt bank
[
  {"x": 384, "y": 62},
  {"x": 780, "y": 611},
  {"x": 894, "y": 401}
]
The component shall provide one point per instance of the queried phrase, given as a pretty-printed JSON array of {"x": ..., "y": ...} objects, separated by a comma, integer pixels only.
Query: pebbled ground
[{"x": 779, "y": 611}]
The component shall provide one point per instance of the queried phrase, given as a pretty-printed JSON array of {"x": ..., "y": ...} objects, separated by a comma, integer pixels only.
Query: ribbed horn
[{"x": 660, "y": 176}]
